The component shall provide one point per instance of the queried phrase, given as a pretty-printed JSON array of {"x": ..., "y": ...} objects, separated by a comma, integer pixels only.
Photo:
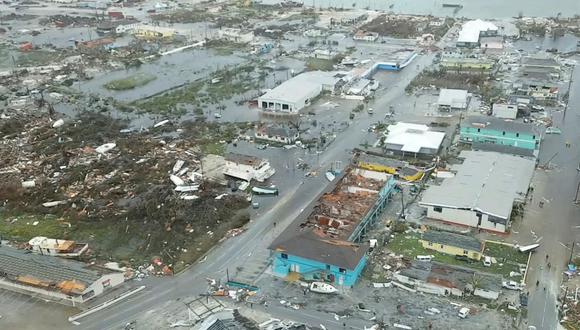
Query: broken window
[
  {"x": 438, "y": 209},
  {"x": 284, "y": 256},
  {"x": 285, "y": 107},
  {"x": 342, "y": 270}
]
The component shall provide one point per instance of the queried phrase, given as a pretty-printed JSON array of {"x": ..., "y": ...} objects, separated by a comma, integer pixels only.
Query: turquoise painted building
[
  {"x": 328, "y": 244},
  {"x": 482, "y": 129}
]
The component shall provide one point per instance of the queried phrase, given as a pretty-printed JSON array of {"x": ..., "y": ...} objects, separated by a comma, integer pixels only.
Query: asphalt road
[
  {"x": 557, "y": 221},
  {"x": 234, "y": 252}
]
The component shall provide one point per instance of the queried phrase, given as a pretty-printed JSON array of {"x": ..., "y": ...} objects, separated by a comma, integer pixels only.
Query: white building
[
  {"x": 506, "y": 111},
  {"x": 362, "y": 35},
  {"x": 297, "y": 92},
  {"x": 57, "y": 247},
  {"x": 276, "y": 133},
  {"x": 452, "y": 99},
  {"x": 482, "y": 192},
  {"x": 473, "y": 30},
  {"x": 54, "y": 278},
  {"x": 247, "y": 167},
  {"x": 413, "y": 139}
]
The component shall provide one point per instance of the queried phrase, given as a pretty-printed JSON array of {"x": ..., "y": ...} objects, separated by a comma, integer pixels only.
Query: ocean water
[{"x": 471, "y": 8}]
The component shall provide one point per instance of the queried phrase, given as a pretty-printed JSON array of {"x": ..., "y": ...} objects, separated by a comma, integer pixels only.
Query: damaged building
[
  {"x": 54, "y": 278},
  {"x": 441, "y": 279},
  {"x": 327, "y": 244},
  {"x": 248, "y": 168}
]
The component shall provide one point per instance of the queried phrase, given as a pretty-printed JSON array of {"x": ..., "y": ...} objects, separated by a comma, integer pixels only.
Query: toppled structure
[
  {"x": 326, "y": 244},
  {"x": 248, "y": 168},
  {"x": 441, "y": 279},
  {"x": 57, "y": 247},
  {"x": 54, "y": 278}
]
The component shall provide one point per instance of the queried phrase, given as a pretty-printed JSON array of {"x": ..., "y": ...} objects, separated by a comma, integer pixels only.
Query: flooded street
[{"x": 471, "y": 8}]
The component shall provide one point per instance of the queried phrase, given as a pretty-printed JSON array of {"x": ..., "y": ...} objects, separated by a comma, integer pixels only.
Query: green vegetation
[
  {"x": 302, "y": 16},
  {"x": 226, "y": 83},
  {"x": 129, "y": 82},
  {"x": 507, "y": 257},
  {"x": 36, "y": 58},
  {"x": 314, "y": 64},
  {"x": 25, "y": 227}
]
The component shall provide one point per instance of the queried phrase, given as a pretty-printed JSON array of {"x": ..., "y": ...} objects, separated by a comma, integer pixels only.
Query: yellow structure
[
  {"x": 151, "y": 33},
  {"x": 453, "y": 244},
  {"x": 466, "y": 64},
  {"x": 391, "y": 166}
]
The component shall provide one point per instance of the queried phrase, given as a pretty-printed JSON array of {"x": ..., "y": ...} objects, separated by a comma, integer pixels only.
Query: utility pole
[
  {"x": 571, "y": 252},
  {"x": 569, "y": 90},
  {"x": 402, "y": 203},
  {"x": 576, "y": 201}
]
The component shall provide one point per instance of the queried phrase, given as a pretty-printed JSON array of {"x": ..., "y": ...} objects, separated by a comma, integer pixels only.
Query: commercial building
[
  {"x": 441, "y": 279},
  {"x": 483, "y": 191},
  {"x": 482, "y": 129},
  {"x": 54, "y": 278},
  {"x": 296, "y": 93},
  {"x": 452, "y": 99},
  {"x": 540, "y": 91},
  {"x": 492, "y": 45},
  {"x": 473, "y": 30},
  {"x": 248, "y": 168},
  {"x": 453, "y": 244},
  {"x": 326, "y": 243},
  {"x": 540, "y": 68},
  {"x": 505, "y": 111},
  {"x": 277, "y": 133},
  {"x": 413, "y": 139}
]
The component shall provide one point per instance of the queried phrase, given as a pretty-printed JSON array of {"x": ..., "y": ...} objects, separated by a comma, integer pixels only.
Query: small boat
[
  {"x": 321, "y": 287},
  {"x": 452, "y": 5},
  {"x": 330, "y": 176},
  {"x": 265, "y": 190}
]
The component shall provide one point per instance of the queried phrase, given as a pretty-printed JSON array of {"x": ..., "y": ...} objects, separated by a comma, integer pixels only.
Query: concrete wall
[
  {"x": 106, "y": 282},
  {"x": 465, "y": 217},
  {"x": 315, "y": 270},
  {"x": 515, "y": 139},
  {"x": 279, "y": 105},
  {"x": 493, "y": 295},
  {"x": 462, "y": 217}
]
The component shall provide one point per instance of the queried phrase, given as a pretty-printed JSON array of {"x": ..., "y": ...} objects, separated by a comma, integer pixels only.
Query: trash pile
[{"x": 132, "y": 195}]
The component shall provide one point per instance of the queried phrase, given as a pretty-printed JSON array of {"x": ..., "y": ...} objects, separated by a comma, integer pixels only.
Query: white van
[
  {"x": 487, "y": 261},
  {"x": 425, "y": 258},
  {"x": 463, "y": 312}
]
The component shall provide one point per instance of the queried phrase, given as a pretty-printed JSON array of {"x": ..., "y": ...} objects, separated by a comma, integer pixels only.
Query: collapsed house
[
  {"x": 57, "y": 247},
  {"x": 248, "y": 168},
  {"x": 54, "y": 278},
  {"x": 441, "y": 279},
  {"x": 483, "y": 191},
  {"x": 326, "y": 244},
  {"x": 277, "y": 133}
]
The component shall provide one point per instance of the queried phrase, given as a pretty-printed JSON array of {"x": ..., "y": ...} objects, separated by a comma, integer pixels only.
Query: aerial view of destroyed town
[{"x": 290, "y": 164}]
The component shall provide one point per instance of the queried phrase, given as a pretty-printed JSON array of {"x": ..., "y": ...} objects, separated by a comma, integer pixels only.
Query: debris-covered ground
[{"x": 91, "y": 179}]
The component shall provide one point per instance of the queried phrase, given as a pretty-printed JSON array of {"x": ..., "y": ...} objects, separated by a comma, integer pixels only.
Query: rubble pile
[{"x": 145, "y": 189}]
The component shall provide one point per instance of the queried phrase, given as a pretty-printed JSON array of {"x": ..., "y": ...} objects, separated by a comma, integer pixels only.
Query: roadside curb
[{"x": 105, "y": 304}]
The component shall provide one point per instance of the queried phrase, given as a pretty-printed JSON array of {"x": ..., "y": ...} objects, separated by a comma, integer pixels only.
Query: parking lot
[{"x": 18, "y": 311}]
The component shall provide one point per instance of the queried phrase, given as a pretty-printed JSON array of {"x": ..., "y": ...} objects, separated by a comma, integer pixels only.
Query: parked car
[
  {"x": 511, "y": 285},
  {"x": 463, "y": 258},
  {"x": 523, "y": 299},
  {"x": 487, "y": 261},
  {"x": 463, "y": 312},
  {"x": 553, "y": 130}
]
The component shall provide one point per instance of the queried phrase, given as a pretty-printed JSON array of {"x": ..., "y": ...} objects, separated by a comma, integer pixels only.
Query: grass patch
[
  {"x": 36, "y": 58},
  {"x": 318, "y": 64},
  {"x": 214, "y": 148},
  {"x": 129, "y": 82},
  {"x": 507, "y": 257},
  {"x": 23, "y": 228}
]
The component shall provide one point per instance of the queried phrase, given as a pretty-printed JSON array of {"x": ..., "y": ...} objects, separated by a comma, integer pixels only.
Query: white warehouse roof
[
  {"x": 301, "y": 86},
  {"x": 414, "y": 137},
  {"x": 488, "y": 182},
  {"x": 471, "y": 30},
  {"x": 454, "y": 98}
]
